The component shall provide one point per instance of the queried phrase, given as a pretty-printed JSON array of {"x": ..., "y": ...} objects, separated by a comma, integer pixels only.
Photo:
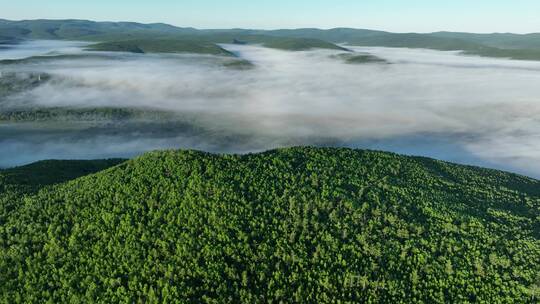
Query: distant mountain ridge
[
  {"x": 507, "y": 45},
  {"x": 63, "y": 29}
]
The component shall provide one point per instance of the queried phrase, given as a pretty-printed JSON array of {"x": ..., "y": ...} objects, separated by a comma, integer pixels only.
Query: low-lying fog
[
  {"x": 465, "y": 109},
  {"x": 39, "y": 48}
]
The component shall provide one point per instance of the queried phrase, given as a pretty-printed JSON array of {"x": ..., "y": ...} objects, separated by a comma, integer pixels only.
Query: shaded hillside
[
  {"x": 299, "y": 224},
  {"x": 161, "y": 46},
  {"x": 49, "y": 172},
  {"x": 301, "y": 44},
  {"x": 15, "y": 183}
]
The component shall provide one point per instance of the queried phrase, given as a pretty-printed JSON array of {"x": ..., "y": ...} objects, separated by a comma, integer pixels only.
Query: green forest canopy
[{"x": 289, "y": 225}]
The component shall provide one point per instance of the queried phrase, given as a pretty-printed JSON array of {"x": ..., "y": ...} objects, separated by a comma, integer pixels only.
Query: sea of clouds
[{"x": 465, "y": 109}]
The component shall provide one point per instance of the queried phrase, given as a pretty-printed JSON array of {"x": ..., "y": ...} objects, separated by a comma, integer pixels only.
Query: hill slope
[
  {"x": 15, "y": 183},
  {"x": 161, "y": 46},
  {"x": 48, "y": 172},
  {"x": 301, "y": 44},
  {"x": 298, "y": 224}
]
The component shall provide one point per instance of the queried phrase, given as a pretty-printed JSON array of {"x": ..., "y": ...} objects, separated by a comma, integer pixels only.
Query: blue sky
[{"x": 394, "y": 15}]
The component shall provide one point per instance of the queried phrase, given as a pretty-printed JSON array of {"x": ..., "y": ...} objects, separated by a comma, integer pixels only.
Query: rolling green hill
[
  {"x": 298, "y": 224},
  {"x": 301, "y": 44},
  {"x": 161, "y": 46}
]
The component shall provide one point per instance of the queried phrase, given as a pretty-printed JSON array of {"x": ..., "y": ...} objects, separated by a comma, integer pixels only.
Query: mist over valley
[{"x": 440, "y": 104}]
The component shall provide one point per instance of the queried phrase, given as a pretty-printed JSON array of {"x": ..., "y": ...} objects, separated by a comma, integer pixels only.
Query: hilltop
[{"x": 296, "y": 224}]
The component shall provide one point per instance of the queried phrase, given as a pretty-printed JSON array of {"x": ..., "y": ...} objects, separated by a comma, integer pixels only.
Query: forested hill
[{"x": 310, "y": 225}]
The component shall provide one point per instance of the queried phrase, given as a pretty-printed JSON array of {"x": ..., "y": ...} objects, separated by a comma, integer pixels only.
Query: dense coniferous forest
[{"x": 313, "y": 225}]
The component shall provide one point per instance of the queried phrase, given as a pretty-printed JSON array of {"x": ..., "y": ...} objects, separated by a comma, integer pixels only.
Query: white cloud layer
[{"x": 441, "y": 104}]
